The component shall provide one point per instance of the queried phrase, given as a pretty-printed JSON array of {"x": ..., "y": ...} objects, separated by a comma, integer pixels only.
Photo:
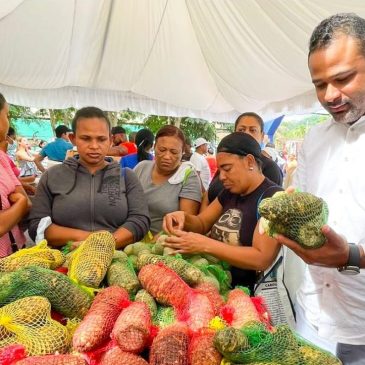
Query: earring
[{"x": 250, "y": 168}]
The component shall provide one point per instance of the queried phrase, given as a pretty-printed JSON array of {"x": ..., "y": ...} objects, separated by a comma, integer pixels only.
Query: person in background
[
  {"x": 168, "y": 183},
  {"x": 232, "y": 218},
  {"x": 56, "y": 150},
  {"x": 120, "y": 140},
  {"x": 12, "y": 144},
  {"x": 212, "y": 162},
  {"x": 25, "y": 159},
  {"x": 89, "y": 193},
  {"x": 144, "y": 141},
  {"x": 252, "y": 124},
  {"x": 290, "y": 168},
  {"x": 187, "y": 151},
  {"x": 14, "y": 203},
  {"x": 199, "y": 161},
  {"x": 331, "y": 300}
]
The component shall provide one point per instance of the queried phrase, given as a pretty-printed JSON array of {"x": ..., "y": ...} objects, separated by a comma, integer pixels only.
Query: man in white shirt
[
  {"x": 199, "y": 161},
  {"x": 331, "y": 299}
]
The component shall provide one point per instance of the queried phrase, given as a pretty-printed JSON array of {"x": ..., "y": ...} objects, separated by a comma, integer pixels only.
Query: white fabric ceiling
[{"x": 200, "y": 58}]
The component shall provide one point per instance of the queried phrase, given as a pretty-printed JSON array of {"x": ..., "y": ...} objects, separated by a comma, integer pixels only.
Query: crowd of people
[{"x": 208, "y": 204}]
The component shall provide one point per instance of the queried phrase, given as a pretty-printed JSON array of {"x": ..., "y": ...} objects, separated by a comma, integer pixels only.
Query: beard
[{"x": 355, "y": 111}]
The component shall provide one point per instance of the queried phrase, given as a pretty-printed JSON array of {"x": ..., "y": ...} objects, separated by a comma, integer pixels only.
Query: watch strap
[
  {"x": 353, "y": 263},
  {"x": 354, "y": 255}
]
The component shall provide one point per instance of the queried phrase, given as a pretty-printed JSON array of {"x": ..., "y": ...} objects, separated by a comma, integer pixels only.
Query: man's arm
[
  {"x": 117, "y": 151},
  {"x": 38, "y": 161}
]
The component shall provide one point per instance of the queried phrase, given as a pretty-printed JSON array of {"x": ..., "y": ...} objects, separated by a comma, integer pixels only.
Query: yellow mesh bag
[
  {"x": 39, "y": 255},
  {"x": 28, "y": 322},
  {"x": 91, "y": 260}
]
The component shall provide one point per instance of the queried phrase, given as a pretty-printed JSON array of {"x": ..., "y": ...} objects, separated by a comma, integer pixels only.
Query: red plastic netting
[
  {"x": 100, "y": 319},
  {"x": 132, "y": 328}
]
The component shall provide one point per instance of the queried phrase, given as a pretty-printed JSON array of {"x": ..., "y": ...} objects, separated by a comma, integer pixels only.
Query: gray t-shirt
[{"x": 164, "y": 198}]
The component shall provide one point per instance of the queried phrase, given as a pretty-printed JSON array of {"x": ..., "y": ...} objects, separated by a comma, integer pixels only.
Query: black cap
[
  {"x": 118, "y": 129},
  {"x": 241, "y": 144},
  {"x": 62, "y": 129}
]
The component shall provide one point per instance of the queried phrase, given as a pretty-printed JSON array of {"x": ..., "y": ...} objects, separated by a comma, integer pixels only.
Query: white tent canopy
[{"x": 201, "y": 58}]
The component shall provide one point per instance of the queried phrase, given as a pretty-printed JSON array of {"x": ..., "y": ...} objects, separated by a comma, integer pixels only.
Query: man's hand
[{"x": 334, "y": 253}]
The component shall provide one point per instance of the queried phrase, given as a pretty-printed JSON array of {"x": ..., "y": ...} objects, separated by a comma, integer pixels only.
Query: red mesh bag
[
  {"x": 213, "y": 294},
  {"x": 164, "y": 285},
  {"x": 115, "y": 356},
  {"x": 12, "y": 353},
  {"x": 132, "y": 328},
  {"x": 170, "y": 347},
  {"x": 100, "y": 319},
  {"x": 239, "y": 309},
  {"x": 52, "y": 360},
  {"x": 198, "y": 312},
  {"x": 202, "y": 350}
]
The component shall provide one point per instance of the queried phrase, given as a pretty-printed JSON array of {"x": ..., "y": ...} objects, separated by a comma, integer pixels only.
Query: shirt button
[
  {"x": 346, "y": 159},
  {"x": 340, "y": 191},
  {"x": 328, "y": 285}
]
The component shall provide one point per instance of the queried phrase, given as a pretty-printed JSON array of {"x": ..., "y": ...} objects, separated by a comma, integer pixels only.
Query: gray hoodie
[{"x": 110, "y": 199}]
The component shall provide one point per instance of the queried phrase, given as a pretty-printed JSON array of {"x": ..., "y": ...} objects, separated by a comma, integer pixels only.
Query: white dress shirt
[{"x": 331, "y": 165}]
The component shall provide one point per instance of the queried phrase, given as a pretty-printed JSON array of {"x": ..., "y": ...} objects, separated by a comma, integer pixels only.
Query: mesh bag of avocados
[
  {"x": 91, "y": 259},
  {"x": 164, "y": 316},
  {"x": 121, "y": 273},
  {"x": 28, "y": 322},
  {"x": 66, "y": 297},
  {"x": 298, "y": 216},
  {"x": 202, "y": 350},
  {"x": 188, "y": 272},
  {"x": 170, "y": 347},
  {"x": 164, "y": 285},
  {"x": 99, "y": 321},
  {"x": 116, "y": 356},
  {"x": 39, "y": 255},
  {"x": 254, "y": 344},
  {"x": 132, "y": 328},
  {"x": 52, "y": 360}
]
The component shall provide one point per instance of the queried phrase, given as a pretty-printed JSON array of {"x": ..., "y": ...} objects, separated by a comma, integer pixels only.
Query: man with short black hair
[
  {"x": 56, "y": 150},
  {"x": 331, "y": 299}
]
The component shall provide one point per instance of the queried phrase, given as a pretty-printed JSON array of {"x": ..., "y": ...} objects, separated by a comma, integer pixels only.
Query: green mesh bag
[
  {"x": 279, "y": 347},
  {"x": 121, "y": 273},
  {"x": 164, "y": 316},
  {"x": 298, "y": 216},
  {"x": 188, "y": 272},
  {"x": 65, "y": 296},
  {"x": 28, "y": 322},
  {"x": 145, "y": 297}
]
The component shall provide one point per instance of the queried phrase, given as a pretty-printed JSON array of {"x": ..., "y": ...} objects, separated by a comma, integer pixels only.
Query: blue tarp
[
  {"x": 34, "y": 128},
  {"x": 271, "y": 126}
]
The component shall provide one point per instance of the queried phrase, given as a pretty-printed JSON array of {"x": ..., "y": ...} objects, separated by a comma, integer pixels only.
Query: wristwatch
[{"x": 352, "y": 266}]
